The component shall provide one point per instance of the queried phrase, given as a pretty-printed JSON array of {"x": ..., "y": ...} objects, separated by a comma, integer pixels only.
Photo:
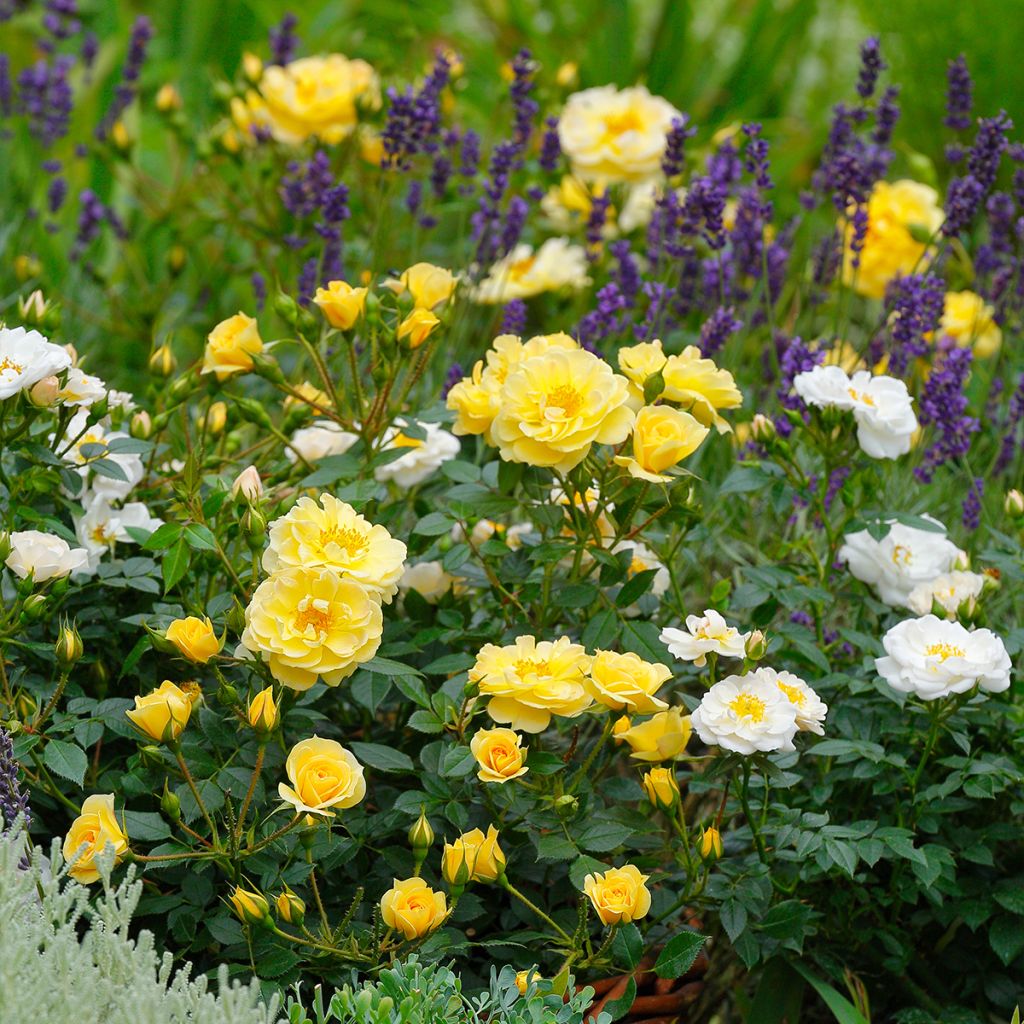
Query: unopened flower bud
[
  {"x": 141, "y": 425},
  {"x": 661, "y": 788},
  {"x": 34, "y": 608},
  {"x": 1013, "y": 504},
  {"x": 162, "y": 361},
  {"x": 45, "y": 392},
  {"x": 168, "y": 99},
  {"x": 567, "y": 75},
  {"x": 252, "y": 66},
  {"x": 26, "y": 707},
  {"x": 756, "y": 646},
  {"x": 68, "y": 648},
  {"x": 5, "y": 546},
  {"x": 215, "y": 420},
  {"x": 762, "y": 429},
  {"x": 286, "y": 308},
  {"x": 32, "y": 308},
  {"x": 963, "y": 562},
  {"x": 251, "y": 907},
  {"x": 421, "y": 835},
  {"x": 120, "y": 136},
  {"x": 26, "y": 267},
  {"x": 291, "y": 908},
  {"x": 151, "y": 756},
  {"x": 170, "y": 804},
  {"x": 248, "y": 485},
  {"x": 254, "y": 526},
  {"x": 262, "y": 712},
  {"x": 654, "y": 387},
  {"x": 710, "y": 846}
]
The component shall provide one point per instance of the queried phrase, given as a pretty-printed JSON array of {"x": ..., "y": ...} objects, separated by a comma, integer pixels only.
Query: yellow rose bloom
[
  {"x": 341, "y": 304},
  {"x": 474, "y": 403},
  {"x": 231, "y": 345},
  {"x": 896, "y": 211},
  {"x": 528, "y": 682},
  {"x": 332, "y": 535},
  {"x": 554, "y": 407},
  {"x": 625, "y": 682},
  {"x": 700, "y": 387},
  {"x": 312, "y": 97},
  {"x": 661, "y": 738},
  {"x": 89, "y": 835},
  {"x": 413, "y": 908},
  {"x": 500, "y": 754},
  {"x": 710, "y": 844},
  {"x": 428, "y": 285},
  {"x": 163, "y": 713},
  {"x": 662, "y": 437},
  {"x": 661, "y": 787},
  {"x": 638, "y": 362},
  {"x": 473, "y": 857},
  {"x": 619, "y": 895},
  {"x": 615, "y": 134},
  {"x": 262, "y": 711},
  {"x": 970, "y": 321},
  {"x": 309, "y": 624},
  {"x": 323, "y": 775},
  {"x": 417, "y": 327},
  {"x": 195, "y": 638}
]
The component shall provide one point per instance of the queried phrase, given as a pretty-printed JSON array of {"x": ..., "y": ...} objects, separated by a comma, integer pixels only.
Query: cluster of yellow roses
[{"x": 547, "y": 401}]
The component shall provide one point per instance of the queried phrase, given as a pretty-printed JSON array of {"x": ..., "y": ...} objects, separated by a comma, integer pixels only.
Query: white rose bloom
[
  {"x": 517, "y": 533},
  {"x": 881, "y": 406},
  {"x": 810, "y": 708},
  {"x": 81, "y": 389},
  {"x": 933, "y": 658},
  {"x": 638, "y": 208},
  {"x": 704, "y": 634},
  {"x": 747, "y": 714},
  {"x": 422, "y": 458},
  {"x": 950, "y": 590},
  {"x": 101, "y": 527},
  {"x": 103, "y": 486},
  {"x": 428, "y": 579},
  {"x": 26, "y": 357},
  {"x": 320, "y": 439},
  {"x": 44, "y": 555},
  {"x": 522, "y": 273},
  {"x": 903, "y": 558},
  {"x": 120, "y": 400}
]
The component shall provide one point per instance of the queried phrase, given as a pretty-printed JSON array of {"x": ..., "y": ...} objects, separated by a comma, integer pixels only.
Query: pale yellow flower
[
  {"x": 91, "y": 832},
  {"x": 525, "y": 272},
  {"x": 413, "y": 908},
  {"x": 500, "y": 754},
  {"x": 661, "y": 787},
  {"x": 311, "y": 623},
  {"x": 428, "y": 285},
  {"x": 332, "y": 535},
  {"x": 195, "y": 638},
  {"x": 970, "y": 321},
  {"x": 638, "y": 362},
  {"x": 625, "y": 682},
  {"x": 473, "y": 857},
  {"x": 663, "y": 737},
  {"x": 700, "y": 387},
  {"x": 417, "y": 327},
  {"x": 662, "y": 437},
  {"x": 341, "y": 304},
  {"x": 231, "y": 345},
  {"x": 619, "y": 895},
  {"x": 324, "y": 776}
]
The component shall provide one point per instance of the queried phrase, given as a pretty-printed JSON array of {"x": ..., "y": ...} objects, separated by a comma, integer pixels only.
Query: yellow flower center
[
  {"x": 794, "y": 693},
  {"x": 100, "y": 535},
  {"x": 901, "y": 554},
  {"x": 944, "y": 650},
  {"x": 313, "y": 613},
  {"x": 637, "y": 565},
  {"x": 622, "y": 121},
  {"x": 401, "y": 440},
  {"x": 520, "y": 268},
  {"x": 860, "y": 396},
  {"x": 566, "y": 398},
  {"x": 9, "y": 364},
  {"x": 746, "y": 705},
  {"x": 351, "y": 539},
  {"x": 526, "y": 666}
]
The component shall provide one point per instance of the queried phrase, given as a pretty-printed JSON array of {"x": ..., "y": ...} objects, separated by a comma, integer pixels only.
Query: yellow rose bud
[
  {"x": 168, "y": 98},
  {"x": 473, "y": 857},
  {"x": 417, "y": 327},
  {"x": 625, "y": 682},
  {"x": 45, "y": 393},
  {"x": 162, "y": 361},
  {"x": 663, "y": 737},
  {"x": 231, "y": 345},
  {"x": 1013, "y": 504},
  {"x": 500, "y": 754},
  {"x": 323, "y": 775},
  {"x": 762, "y": 429},
  {"x": 252, "y": 66},
  {"x": 341, "y": 304},
  {"x": 68, "y": 648},
  {"x": 525, "y": 978},
  {"x": 413, "y": 908},
  {"x": 291, "y": 908},
  {"x": 215, "y": 420},
  {"x": 619, "y": 895},
  {"x": 661, "y": 788},
  {"x": 90, "y": 834},
  {"x": 195, "y": 638},
  {"x": 119, "y": 135},
  {"x": 567, "y": 75},
  {"x": 428, "y": 285},
  {"x": 421, "y": 835},
  {"x": 662, "y": 437},
  {"x": 251, "y": 907},
  {"x": 162, "y": 714},
  {"x": 710, "y": 845},
  {"x": 262, "y": 711},
  {"x": 26, "y": 267}
]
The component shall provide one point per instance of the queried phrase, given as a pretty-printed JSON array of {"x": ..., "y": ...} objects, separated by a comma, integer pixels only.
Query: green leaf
[
  {"x": 641, "y": 637},
  {"x": 370, "y": 690},
  {"x": 555, "y": 847},
  {"x": 633, "y": 589},
  {"x": 679, "y": 954},
  {"x": 604, "y": 836},
  {"x": 385, "y": 759},
  {"x": 434, "y": 524},
  {"x": 146, "y": 827},
  {"x": 628, "y": 946},
  {"x": 387, "y": 667},
  {"x": 199, "y": 537},
  {"x": 1006, "y": 937},
  {"x": 67, "y": 760},
  {"x": 618, "y": 1008},
  {"x": 175, "y": 564},
  {"x": 577, "y": 595},
  {"x": 163, "y": 537},
  {"x": 457, "y": 761},
  {"x": 842, "y": 1009},
  {"x": 584, "y": 866}
]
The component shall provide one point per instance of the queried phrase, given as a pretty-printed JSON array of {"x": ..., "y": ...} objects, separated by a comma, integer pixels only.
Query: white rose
[
  {"x": 810, "y": 708},
  {"x": 903, "y": 558},
  {"x": 44, "y": 556},
  {"x": 704, "y": 634},
  {"x": 428, "y": 579},
  {"x": 421, "y": 459},
  {"x": 950, "y": 590},
  {"x": 26, "y": 357},
  {"x": 81, "y": 389},
  {"x": 639, "y": 206},
  {"x": 101, "y": 527},
  {"x": 78, "y": 437},
  {"x": 933, "y": 658},
  {"x": 747, "y": 714},
  {"x": 320, "y": 439},
  {"x": 825, "y": 387}
]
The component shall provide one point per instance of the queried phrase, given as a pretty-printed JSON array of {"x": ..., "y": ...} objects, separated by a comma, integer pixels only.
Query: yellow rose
[
  {"x": 661, "y": 738},
  {"x": 500, "y": 754},
  {"x": 428, "y": 285},
  {"x": 662, "y": 437},
  {"x": 332, "y": 535},
  {"x": 167, "y": 99},
  {"x": 251, "y": 907},
  {"x": 710, "y": 844},
  {"x": 554, "y": 407},
  {"x": 970, "y": 321},
  {"x": 525, "y": 978},
  {"x": 528, "y": 682},
  {"x": 661, "y": 787},
  {"x": 90, "y": 833},
  {"x": 323, "y": 775},
  {"x": 615, "y": 134},
  {"x": 700, "y": 387},
  {"x": 625, "y": 682},
  {"x": 262, "y": 711},
  {"x": 523, "y": 272},
  {"x": 619, "y": 895},
  {"x": 417, "y": 327},
  {"x": 473, "y": 857},
  {"x": 371, "y": 146},
  {"x": 474, "y": 403},
  {"x": 896, "y": 211},
  {"x": 310, "y": 623},
  {"x": 231, "y": 345},
  {"x": 290, "y": 907},
  {"x": 341, "y": 304},
  {"x": 195, "y": 638},
  {"x": 413, "y": 908},
  {"x": 638, "y": 362},
  {"x": 163, "y": 713}
]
